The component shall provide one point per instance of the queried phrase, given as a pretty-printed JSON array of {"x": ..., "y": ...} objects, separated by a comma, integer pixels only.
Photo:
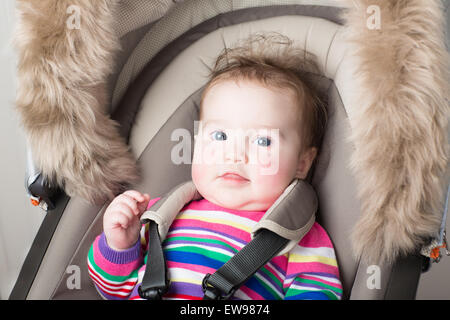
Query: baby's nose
[{"x": 238, "y": 151}]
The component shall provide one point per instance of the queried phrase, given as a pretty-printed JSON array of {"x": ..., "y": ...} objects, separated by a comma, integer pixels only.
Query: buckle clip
[
  {"x": 213, "y": 293},
  {"x": 38, "y": 202},
  {"x": 445, "y": 244},
  {"x": 155, "y": 293},
  {"x": 433, "y": 251}
]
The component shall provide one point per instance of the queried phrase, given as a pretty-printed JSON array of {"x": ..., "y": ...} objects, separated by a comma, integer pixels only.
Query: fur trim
[
  {"x": 61, "y": 97},
  {"x": 399, "y": 120},
  {"x": 399, "y": 125}
]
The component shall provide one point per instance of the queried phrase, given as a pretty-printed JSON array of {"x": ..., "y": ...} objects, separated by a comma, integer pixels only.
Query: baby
[{"x": 260, "y": 128}]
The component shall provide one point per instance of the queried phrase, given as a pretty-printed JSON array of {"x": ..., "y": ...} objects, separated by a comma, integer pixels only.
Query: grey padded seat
[{"x": 158, "y": 92}]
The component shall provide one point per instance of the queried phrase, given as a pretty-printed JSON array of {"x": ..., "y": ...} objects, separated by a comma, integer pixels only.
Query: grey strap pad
[
  {"x": 164, "y": 211},
  {"x": 291, "y": 216}
]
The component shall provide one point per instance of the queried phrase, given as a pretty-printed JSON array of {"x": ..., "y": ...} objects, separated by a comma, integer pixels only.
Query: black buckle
[
  {"x": 213, "y": 293},
  {"x": 153, "y": 293}
]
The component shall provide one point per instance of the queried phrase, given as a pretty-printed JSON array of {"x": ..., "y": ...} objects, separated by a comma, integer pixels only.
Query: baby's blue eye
[
  {"x": 219, "y": 135},
  {"x": 263, "y": 141}
]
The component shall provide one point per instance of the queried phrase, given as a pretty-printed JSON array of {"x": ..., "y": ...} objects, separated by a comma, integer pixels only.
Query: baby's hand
[{"x": 121, "y": 222}]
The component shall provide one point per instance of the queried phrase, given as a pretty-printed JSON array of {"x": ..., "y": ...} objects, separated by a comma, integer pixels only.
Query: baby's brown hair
[{"x": 273, "y": 61}]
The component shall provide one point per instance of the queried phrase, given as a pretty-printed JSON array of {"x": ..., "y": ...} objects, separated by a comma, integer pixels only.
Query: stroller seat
[{"x": 156, "y": 88}]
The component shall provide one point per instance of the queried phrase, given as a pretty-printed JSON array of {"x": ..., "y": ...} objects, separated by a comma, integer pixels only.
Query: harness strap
[
  {"x": 155, "y": 282},
  {"x": 222, "y": 284}
]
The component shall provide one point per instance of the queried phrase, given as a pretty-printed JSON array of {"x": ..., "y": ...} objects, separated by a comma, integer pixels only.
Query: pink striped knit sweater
[{"x": 201, "y": 239}]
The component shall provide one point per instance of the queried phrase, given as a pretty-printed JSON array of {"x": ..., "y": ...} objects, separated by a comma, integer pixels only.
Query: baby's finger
[
  {"x": 125, "y": 210},
  {"x": 143, "y": 205},
  {"x": 135, "y": 195},
  {"x": 130, "y": 202},
  {"x": 121, "y": 219}
]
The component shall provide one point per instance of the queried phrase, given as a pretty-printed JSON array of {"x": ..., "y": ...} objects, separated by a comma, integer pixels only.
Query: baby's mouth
[{"x": 233, "y": 177}]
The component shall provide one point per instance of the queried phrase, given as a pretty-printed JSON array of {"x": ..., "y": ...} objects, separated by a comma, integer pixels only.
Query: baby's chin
[
  {"x": 237, "y": 200},
  {"x": 246, "y": 197},
  {"x": 241, "y": 206}
]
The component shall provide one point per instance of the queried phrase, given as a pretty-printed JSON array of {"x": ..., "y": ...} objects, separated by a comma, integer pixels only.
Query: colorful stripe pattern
[{"x": 201, "y": 239}]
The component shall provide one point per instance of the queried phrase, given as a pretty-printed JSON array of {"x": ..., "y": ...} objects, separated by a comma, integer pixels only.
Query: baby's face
[{"x": 247, "y": 147}]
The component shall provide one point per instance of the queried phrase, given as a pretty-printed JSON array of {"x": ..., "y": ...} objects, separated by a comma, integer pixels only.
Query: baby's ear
[{"x": 304, "y": 162}]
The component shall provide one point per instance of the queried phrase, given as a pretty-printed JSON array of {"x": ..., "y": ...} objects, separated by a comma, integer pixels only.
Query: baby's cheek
[
  {"x": 195, "y": 172},
  {"x": 199, "y": 174},
  {"x": 267, "y": 162},
  {"x": 207, "y": 153},
  {"x": 264, "y": 159},
  {"x": 272, "y": 177},
  {"x": 267, "y": 188}
]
